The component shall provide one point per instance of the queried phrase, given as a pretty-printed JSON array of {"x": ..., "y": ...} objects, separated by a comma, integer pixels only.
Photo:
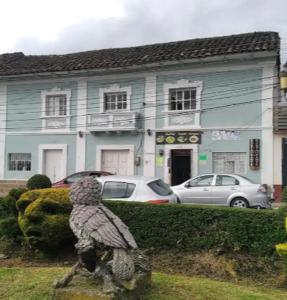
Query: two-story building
[{"x": 172, "y": 110}]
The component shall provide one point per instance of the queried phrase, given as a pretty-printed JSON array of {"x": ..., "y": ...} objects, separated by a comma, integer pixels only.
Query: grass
[{"x": 34, "y": 283}]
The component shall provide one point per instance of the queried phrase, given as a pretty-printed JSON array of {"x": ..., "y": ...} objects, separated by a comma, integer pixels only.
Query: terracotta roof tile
[{"x": 18, "y": 63}]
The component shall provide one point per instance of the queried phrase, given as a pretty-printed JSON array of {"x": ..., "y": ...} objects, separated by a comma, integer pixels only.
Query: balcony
[
  {"x": 117, "y": 121},
  {"x": 280, "y": 119}
]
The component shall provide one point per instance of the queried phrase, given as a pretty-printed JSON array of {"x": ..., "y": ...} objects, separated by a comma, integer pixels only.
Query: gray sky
[{"x": 62, "y": 26}]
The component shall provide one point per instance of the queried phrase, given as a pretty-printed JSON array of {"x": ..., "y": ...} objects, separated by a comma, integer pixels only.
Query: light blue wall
[
  {"x": 219, "y": 90},
  {"x": 24, "y": 105},
  {"x": 30, "y": 144}
]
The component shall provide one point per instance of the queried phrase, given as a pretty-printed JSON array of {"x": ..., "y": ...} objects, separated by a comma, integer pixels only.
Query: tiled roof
[{"x": 18, "y": 63}]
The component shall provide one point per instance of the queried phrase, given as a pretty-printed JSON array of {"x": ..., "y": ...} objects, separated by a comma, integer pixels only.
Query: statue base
[{"x": 86, "y": 288}]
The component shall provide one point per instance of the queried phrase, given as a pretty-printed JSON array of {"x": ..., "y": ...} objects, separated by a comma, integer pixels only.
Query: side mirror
[{"x": 188, "y": 185}]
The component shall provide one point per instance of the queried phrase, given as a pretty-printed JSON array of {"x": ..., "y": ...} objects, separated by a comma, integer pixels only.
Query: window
[
  {"x": 56, "y": 105},
  {"x": 19, "y": 161},
  {"x": 114, "y": 189},
  {"x": 160, "y": 188},
  {"x": 223, "y": 180},
  {"x": 182, "y": 99},
  {"x": 229, "y": 162},
  {"x": 115, "y": 101},
  {"x": 205, "y": 180}
]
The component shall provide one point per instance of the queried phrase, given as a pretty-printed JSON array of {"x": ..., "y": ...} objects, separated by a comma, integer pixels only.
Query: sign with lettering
[
  {"x": 178, "y": 137},
  {"x": 254, "y": 154}
]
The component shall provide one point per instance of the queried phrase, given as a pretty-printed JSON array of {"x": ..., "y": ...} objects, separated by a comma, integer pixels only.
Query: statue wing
[{"x": 103, "y": 226}]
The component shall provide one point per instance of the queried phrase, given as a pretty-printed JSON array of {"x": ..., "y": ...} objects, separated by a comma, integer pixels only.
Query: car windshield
[{"x": 160, "y": 188}]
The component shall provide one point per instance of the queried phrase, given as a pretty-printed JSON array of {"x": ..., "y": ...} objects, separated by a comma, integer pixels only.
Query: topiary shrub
[
  {"x": 44, "y": 214},
  {"x": 44, "y": 218},
  {"x": 38, "y": 181}
]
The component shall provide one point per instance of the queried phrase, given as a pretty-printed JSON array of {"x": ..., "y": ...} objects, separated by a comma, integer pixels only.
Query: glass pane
[
  {"x": 226, "y": 180},
  {"x": 187, "y": 94},
  {"x": 160, "y": 188},
  {"x": 179, "y": 95},
  {"x": 202, "y": 181},
  {"x": 172, "y": 95},
  {"x": 114, "y": 189},
  {"x": 186, "y": 104}
]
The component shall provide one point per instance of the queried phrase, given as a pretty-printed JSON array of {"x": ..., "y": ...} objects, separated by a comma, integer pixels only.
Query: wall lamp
[
  {"x": 149, "y": 132},
  {"x": 80, "y": 133}
]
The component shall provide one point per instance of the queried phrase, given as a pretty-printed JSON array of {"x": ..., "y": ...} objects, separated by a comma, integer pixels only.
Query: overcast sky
[{"x": 62, "y": 26}]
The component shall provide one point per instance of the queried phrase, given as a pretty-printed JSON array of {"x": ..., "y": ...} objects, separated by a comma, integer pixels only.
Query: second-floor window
[
  {"x": 182, "y": 99},
  {"x": 56, "y": 105},
  {"x": 115, "y": 101}
]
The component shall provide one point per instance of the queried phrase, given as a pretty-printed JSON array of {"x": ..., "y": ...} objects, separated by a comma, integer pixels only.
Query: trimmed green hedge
[{"x": 162, "y": 227}]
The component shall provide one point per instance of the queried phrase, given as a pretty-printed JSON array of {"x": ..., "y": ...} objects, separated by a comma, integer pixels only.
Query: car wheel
[{"x": 240, "y": 203}]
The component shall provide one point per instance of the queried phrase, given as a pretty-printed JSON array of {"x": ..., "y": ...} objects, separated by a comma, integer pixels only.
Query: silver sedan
[{"x": 223, "y": 189}]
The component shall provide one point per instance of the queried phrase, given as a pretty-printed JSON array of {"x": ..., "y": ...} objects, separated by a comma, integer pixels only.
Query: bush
[
  {"x": 9, "y": 228},
  {"x": 44, "y": 217},
  {"x": 284, "y": 195},
  {"x": 38, "y": 181}
]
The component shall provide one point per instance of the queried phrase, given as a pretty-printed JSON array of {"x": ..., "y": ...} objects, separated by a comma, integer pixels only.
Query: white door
[
  {"x": 53, "y": 164},
  {"x": 116, "y": 162}
]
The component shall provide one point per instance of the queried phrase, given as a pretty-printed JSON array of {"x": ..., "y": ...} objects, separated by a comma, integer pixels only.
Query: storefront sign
[
  {"x": 254, "y": 154},
  {"x": 225, "y": 135},
  {"x": 178, "y": 137}
]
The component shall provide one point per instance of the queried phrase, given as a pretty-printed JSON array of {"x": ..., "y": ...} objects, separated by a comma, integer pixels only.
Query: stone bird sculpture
[{"x": 98, "y": 229}]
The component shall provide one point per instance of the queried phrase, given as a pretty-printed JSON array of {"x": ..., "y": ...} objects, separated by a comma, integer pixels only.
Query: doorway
[
  {"x": 116, "y": 162},
  {"x": 53, "y": 164},
  {"x": 180, "y": 165}
]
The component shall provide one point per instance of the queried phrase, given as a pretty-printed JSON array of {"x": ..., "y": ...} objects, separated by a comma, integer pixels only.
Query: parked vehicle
[
  {"x": 223, "y": 189},
  {"x": 136, "y": 188},
  {"x": 67, "y": 181}
]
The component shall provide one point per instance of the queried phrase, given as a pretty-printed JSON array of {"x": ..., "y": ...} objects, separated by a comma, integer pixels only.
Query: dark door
[
  {"x": 284, "y": 162},
  {"x": 180, "y": 166}
]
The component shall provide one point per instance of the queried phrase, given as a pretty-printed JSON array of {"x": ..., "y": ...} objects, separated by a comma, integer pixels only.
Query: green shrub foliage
[
  {"x": 8, "y": 214},
  {"x": 38, "y": 181},
  {"x": 43, "y": 218},
  {"x": 44, "y": 215},
  {"x": 284, "y": 195}
]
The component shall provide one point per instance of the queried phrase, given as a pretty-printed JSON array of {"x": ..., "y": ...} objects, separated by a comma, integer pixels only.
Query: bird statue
[{"x": 98, "y": 229}]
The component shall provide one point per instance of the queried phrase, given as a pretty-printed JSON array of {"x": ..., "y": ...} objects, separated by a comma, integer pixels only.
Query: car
[
  {"x": 67, "y": 181},
  {"x": 223, "y": 189},
  {"x": 136, "y": 188}
]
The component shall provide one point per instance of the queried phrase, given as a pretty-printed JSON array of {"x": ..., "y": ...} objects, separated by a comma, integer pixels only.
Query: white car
[
  {"x": 136, "y": 188},
  {"x": 223, "y": 189}
]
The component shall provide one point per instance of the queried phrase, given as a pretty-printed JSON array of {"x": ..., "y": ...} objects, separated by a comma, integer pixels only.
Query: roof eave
[{"x": 144, "y": 67}]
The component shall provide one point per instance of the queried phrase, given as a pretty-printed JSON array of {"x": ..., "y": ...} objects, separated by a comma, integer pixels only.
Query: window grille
[
  {"x": 229, "y": 162},
  {"x": 182, "y": 99},
  {"x": 19, "y": 161},
  {"x": 56, "y": 105},
  {"x": 115, "y": 101}
]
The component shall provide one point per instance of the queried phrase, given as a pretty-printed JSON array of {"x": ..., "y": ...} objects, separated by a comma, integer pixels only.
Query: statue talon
[{"x": 97, "y": 228}]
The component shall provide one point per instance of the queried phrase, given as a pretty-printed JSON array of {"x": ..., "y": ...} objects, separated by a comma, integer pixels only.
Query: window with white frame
[
  {"x": 56, "y": 105},
  {"x": 115, "y": 101},
  {"x": 182, "y": 98},
  {"x": 229, "y": 162},
  {"x": 19, "y": 161}
]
